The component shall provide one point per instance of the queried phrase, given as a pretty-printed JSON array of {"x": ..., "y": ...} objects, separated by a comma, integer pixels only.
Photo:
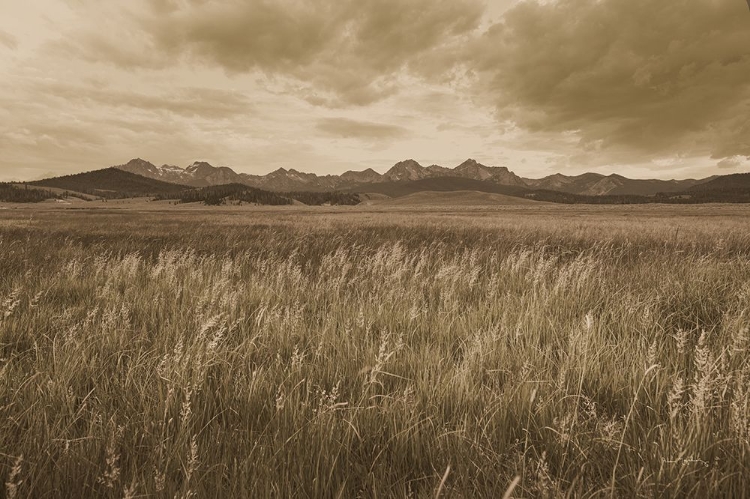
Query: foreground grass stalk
[{"x": 625, "y": 429}]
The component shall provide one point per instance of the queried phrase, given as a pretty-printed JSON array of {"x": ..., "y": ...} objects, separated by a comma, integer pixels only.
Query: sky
[{"x": 643, "y": 88}]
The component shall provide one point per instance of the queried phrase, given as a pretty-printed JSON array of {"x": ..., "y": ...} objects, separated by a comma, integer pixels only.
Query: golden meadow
[{"x": 517, "y": 352}]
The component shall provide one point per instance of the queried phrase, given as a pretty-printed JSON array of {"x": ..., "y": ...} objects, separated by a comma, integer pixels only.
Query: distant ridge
[
  {"x": 595, "y": 184},
  {"x": 725, "y": 182}
]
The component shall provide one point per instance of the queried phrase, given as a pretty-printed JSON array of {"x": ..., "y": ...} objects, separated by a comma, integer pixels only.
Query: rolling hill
[
  {"x": 734, "y": 188},
  {"x": 240, "y": 193},
  {"x": 437, "y": 184},
  {"x": 221, "y": 194},
  {"x": 111, "y": 183},
  {"x": 14, "y": 193},
  {"x": 456, "y": 198},
  {"x": 454, "y": 184},
  {"x": 731, "y": 182}
]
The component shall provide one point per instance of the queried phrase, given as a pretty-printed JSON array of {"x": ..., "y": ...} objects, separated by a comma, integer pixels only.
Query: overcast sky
[{"x": 644, "y": 88}]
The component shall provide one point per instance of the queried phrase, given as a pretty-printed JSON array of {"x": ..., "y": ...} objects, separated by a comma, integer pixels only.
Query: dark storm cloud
[
  {"x": 652, "y": 77},
  {"x": 347, "y": 128},
  {"x": 345, "y": 51}
]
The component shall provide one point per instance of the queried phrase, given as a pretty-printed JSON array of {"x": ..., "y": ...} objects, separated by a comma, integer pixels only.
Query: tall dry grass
[{"x": 372, "y": 357}]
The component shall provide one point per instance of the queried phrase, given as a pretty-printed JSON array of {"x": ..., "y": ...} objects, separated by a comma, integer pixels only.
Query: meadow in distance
[{"x": 537, "y": 352}]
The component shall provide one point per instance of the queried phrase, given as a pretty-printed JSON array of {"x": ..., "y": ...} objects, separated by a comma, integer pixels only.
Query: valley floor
[{"x": 160, "y": 350}]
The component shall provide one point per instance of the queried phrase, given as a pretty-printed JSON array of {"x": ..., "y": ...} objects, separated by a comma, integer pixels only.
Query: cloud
[
  {"x": 188, "y": 102},
  {"x": 347, "y": 128},
  {"x": 8, "y": 40},
  {"x": 649, "y": 78},
  {"x": 344, "y": 52},
  {"x": 732, "y": 162}
]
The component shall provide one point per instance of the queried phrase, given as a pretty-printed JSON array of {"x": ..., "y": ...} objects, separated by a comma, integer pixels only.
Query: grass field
[{"x": 540, "y": 351}]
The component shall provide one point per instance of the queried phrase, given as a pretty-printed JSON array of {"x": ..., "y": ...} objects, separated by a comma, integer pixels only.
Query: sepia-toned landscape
[
  {"x": 424, "y": 249},
  {"x": 531, "y": 351}
]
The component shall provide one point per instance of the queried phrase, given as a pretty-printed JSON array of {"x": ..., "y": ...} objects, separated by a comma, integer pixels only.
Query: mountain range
[
  {"x": 203, "y": 182},
  {"x": 202, "y": 174}
]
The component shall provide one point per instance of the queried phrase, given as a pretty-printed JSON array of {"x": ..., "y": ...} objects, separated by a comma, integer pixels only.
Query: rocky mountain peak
[
  {"x": 139, "y": 162},
  {"x": 368, "y": 175},
  {"x": 473, "y": 169},
  {"x": 469, "y": 163},
  {"x": 196, "y": 165},
  {"x": 405, "y": 170},
  {"x": 407, "y": 163}
]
